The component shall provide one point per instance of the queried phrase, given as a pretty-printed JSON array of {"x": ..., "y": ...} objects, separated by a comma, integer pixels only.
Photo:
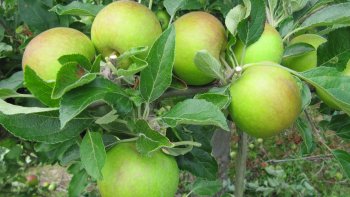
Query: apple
[
  {"x": 196, "y": 31},
  {"x": 127, "y": 173},
  {"x": 327, "y": 99},
  {"x": 32, "y": 180},
  {"x": 43, "y": 51},
  {"x": 265, "y": 100},
  {"x": 308, "y": 60},
  {"x": 123, "y": 25},
  {"x": 269, "y": 47}
]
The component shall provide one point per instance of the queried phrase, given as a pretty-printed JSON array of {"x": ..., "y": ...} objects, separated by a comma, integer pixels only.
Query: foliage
[{"x": 76, "y": 119}]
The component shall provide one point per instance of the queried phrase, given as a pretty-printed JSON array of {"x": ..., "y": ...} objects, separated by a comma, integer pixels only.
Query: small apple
[
  {"x": 32, "y": 180},
  {"x": 269, "y": 47},
  {"x": 327, "y": 99},
  {"x": 43, "y": 51},
  {"x": 123, "y": 25},
  {"x": 265, "y": 100},
  {"x": 127, "y": 173},
  {"x": 196, "y": 31},
  {"x": 308, "y": 60}
]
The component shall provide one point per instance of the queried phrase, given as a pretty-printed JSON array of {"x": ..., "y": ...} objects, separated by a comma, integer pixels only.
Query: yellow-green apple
[
  {"x": 265, "y": 100},
  {"x": 308, "y": 60},
  {"x": 196, "y": 31},
  {"x": 43, "y": 51},
  {"x": 127, "y": 173},
  {"x": 269, "y": 47},
  {"x": 123, "y": 25}
]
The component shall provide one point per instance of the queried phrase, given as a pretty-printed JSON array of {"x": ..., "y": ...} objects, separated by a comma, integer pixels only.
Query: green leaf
[
  {"x": 341, "y": 125},
  {"x": 9, "y": 93},
  {"x": 132, "y": 52},
  {"x": 149, "y": 140},
  {"x": 305, "y": 130},
  {"x": 251, "y": 28},
  {"x": 200, "y": 163},
  {"x": 51, "y": 153},
  {"x": 108, "y": 118},
  {"x": 5, "y": 49},
  {"x": 70, "y": 76},
  {"x": 75, "y": 59},
  {"x": 43, "y": 126},
  {"x": 332, "y": 82},
  {"x": 336, "y": 51},
  {"x": 14, "y": 82},
  {"x": 2, "y": 32},
  {"x": 209, "y": 65},
  {"x": 204, "y": 187},
  {"x": 35, "y": 14},
  {"x": 96, "y": 65},
  {"x": 195, "y": 112},
  {"x": 218, "y": 96},
  {"x": 137, "y": 66},
  {"x": 172, "y": 6},
  {"x": 74, "y": 102},
  {"x": 344, "y": 160},
  {"x": 330, "y": 15},
  {"x": 10, "y": 109},
  {"x": 93, "y": 154},
  {"x": 235, "y": 16},
  {"x": 78, "y": 183},
  {"x": 77, "y": 8},
  {"x": 305, "y": 94},
  {"x": 156, "y": 77},
  {"x": 39, "y": 88},
  {"x": 297, "y": 49}
]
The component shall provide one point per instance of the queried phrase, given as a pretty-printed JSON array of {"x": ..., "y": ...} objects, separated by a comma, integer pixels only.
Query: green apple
[
  {"x": 265, "y": 100},
  {"x": 127, "y": 173},
  {"x": 123, "y": 25},
  {"x": 269, "y": 47},
  {"x": 43, "y": 51},
  {"x": 308, "y": 60},
  {"x": 196, "y": 31},
  {"x": 326, "y": 98}
]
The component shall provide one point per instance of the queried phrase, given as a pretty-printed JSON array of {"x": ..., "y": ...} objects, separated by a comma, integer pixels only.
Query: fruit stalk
[{"x": 241, "y": 164}]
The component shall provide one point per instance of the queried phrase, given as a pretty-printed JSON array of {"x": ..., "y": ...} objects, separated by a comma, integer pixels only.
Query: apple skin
[
  {"x": 43, "y": 51},
  {"x": 127, "y": 173},
  {"x": 308, "y": 60},
  {"x": 327, "y": 99},
  {"x": 196, "y": 31},
  {"x": 265, "y": 100},
  {"x": 269, "y": 47},
  {"x": 123, "y": 25}
]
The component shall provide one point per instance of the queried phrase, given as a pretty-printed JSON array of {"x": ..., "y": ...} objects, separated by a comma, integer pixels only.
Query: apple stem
[{"x": 241, "y": 164}]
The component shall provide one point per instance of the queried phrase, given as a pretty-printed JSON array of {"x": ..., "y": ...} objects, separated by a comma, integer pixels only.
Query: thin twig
[
  {"x": 312, "y": 158},
  {"x": 241, "y": 164}
]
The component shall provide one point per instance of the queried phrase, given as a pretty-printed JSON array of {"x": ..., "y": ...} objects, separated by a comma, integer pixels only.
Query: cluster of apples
[{"x": 265, "y": 99}]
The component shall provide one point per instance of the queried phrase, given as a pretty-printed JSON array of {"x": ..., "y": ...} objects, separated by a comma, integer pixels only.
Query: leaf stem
[
  {"x": 241, "y": 164},
  {"x": 146, "y": 111}
]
